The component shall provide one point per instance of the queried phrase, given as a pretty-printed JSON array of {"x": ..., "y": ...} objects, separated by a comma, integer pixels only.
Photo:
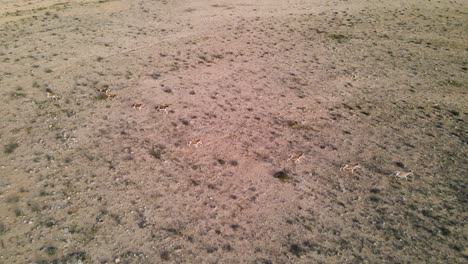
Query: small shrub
[
  {"x": 165, "y": 255},
  {"x": 35, "y": 208},
  {"x": 13, "y": 199},
  {"x": 451, "y": 83},
  {"x": 155, "y": 153},
  {"x": 18, "y": 212},
  {"x": 281, "y": 175},
  {"x": 51, "y": 250},
  {"x": 338, "y": 37},
  {"x": 203, "y": 57},
  {"x": 8, "y": 149},
  {"x": 3, "y": 228},
  {"x": 16, "y": 95},
  {"x": 155, "y": 75},
  {"x": 49, "y": 223},
  {"x": 101, "y": 96},
  {"x": 296, "y": 249},
  {"x": 400, "y": 164}
]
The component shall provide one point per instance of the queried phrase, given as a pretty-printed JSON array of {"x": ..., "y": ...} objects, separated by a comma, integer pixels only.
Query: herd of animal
[{"x": 294, "y": 158}]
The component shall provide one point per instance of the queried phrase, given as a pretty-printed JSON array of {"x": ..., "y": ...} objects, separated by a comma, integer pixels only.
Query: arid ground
[{"x": 94, "y": 170}]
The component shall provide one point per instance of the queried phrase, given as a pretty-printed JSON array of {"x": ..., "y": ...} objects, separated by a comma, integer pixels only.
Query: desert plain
[{"x": 203, "y": 131}]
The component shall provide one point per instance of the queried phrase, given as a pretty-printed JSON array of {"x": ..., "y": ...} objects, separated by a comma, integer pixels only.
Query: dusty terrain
[{"x": 88, "y": 178}]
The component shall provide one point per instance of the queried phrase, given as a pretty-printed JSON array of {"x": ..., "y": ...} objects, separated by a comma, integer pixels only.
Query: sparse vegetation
[
  {"x": 17, "y": 94},
  {"x": 454, "y": 112},
  {"x": 155, "y": 153},
  {"x": 281, "y": 175},
  {"x": 101, "y": 96},
  {"x": 339, "y": 37},
  {"x": 296, "y": 249},
  {"x": 3, "y": 228},
  {"x": 18, "y": 212},
  {"x": 184, "y": 122},
  {"x": 49, "y": 223},
  {"x": 13, "y": 199},
  {"x": 451, "y": 83},
  {"x": 51, "y": 250},
  {"x": 165, "y": 255},
  {"x": 283, "y": 96},
  {"x": 155, "y": 75},
  {"x": 8, "y": 149},
  {"x": 35, "y": 208}
]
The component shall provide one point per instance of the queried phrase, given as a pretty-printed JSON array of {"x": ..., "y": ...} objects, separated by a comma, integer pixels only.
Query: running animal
[
  {"x": 296, "y": 158},
  {"x": 195, "y": 142},
  {"x": 137, "y": 106},
  {"x": 350, "y": 167},
  {"x": 403, "y": 174}
]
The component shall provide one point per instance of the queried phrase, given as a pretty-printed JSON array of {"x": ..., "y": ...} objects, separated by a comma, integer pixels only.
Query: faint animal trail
[
  {"x": 195, "y": 143},
  {"x": 163, "y": 108},
  {"x": 52, "y": 96},
  {"x": 403, "y": 174},
  {"x": 295, "y": 158},
  {"x": 350, "y": 167},
  {"x": 137, "y": 106}
]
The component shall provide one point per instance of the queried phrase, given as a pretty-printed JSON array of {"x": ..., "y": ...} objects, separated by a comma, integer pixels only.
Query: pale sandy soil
[{"x": 85, "y": 179}]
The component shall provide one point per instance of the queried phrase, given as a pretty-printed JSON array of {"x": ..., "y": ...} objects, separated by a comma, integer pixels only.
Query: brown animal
[
  {"x": 296, "y": 158},
  {"x": 195, "y": 142},
  {"x": 104, "y": 90},
  {"x": 163, "y": 108},
  {"x": 137, "y": 106},
  {"x": 52, "y": 96}
]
